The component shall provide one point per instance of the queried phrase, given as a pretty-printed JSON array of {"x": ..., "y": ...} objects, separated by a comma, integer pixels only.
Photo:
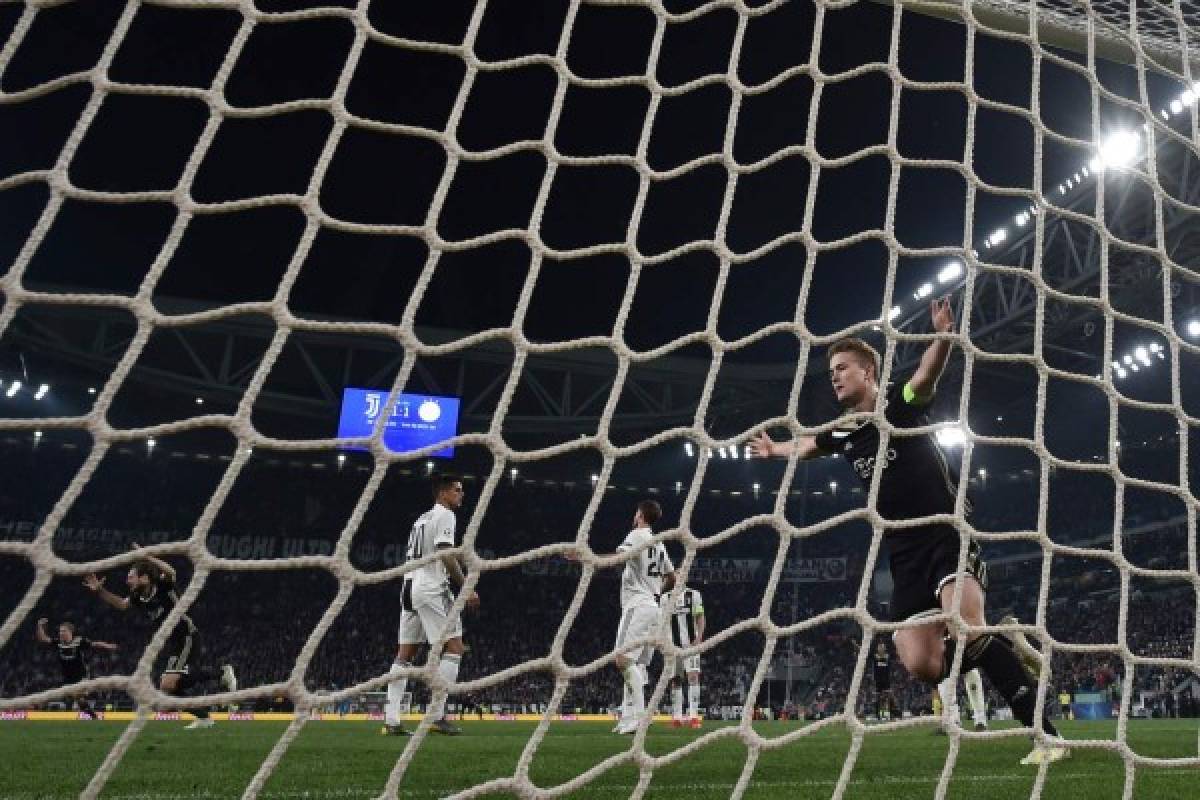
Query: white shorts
[
  {"x": 684, "y": 665},
  {"x": 425, "y": 618},
  {"x": 639, "y": 622}
]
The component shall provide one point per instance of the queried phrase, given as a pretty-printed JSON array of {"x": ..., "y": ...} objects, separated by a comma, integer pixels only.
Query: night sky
[{"x": 140, "y": 143}]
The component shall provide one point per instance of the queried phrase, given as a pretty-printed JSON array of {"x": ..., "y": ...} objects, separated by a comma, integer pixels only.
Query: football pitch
[{"x": 46, "y": 760}]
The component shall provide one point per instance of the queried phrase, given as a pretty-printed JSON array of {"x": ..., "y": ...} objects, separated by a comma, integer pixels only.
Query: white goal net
[{"x": 1074, "y": 122}]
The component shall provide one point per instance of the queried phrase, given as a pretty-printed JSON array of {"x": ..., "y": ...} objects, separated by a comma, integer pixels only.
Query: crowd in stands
[{"x": 259, "y": 620}]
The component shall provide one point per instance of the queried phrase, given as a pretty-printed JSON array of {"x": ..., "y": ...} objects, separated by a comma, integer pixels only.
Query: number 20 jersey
[{"x": 433, "y": 529}]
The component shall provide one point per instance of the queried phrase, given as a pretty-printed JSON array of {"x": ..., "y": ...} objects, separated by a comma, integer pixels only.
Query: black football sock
[
  {"x": 995, "y": 658},
  {"x": 199, "y": 713}
]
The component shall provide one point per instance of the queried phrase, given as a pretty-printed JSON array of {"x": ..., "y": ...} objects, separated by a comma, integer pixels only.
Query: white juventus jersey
[
  {"x": 683, "y": 616},
  {"x": 641, "y": 582},
  {"x": 432, "y": 529}
]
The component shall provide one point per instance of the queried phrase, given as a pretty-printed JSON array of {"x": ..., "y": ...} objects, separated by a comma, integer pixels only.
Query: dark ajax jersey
[{"x": 916, "y": 480}]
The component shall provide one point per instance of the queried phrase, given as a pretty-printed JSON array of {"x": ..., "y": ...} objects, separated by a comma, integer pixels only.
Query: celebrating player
[
  {"x": 73, "y": 652},
  {"x": 425, "y": 603},
  {"x": 687, "y": 629},
  {"x": 151, "y": 583},
  {"x": 916, "y": 482}
]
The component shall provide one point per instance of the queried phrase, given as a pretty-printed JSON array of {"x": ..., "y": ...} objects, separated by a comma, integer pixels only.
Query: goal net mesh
[{"x": 1154, "y": 37}]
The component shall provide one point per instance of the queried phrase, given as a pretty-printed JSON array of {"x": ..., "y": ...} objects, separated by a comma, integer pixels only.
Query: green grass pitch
[{"x": 352, "y": 760}]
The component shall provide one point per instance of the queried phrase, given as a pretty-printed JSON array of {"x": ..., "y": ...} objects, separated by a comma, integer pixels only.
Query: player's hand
[
  {"x": 763, "y": 446},
  {"x": 942, "y": 314},
  {"x": 473, "y": 601},
  {"x": 92, "y": 583}
]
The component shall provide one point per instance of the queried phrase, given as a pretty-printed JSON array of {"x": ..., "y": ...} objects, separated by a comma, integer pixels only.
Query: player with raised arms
[
  {"x": 151, "y": 584},
  {"x": 73, "y": 651},
  {"x": 916, "y": 482},
  {"x": 426, "y": 600}
]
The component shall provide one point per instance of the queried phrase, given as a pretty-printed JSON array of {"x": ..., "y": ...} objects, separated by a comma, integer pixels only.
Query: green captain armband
[{"x": 911, "y": 397}]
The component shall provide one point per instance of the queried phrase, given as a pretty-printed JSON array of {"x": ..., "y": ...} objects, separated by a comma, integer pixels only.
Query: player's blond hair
[{"x": 867, "y": 356}]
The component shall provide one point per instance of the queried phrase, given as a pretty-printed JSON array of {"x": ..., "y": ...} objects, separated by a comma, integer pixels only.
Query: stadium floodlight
[
  {"x": 1128, "y": 359},
  {"x": 1176, "y": 107},
  {"x": 150, "y": 444},
  {"x": 1120, "y": 149},
  {"x": 1121, "y": 373},
  {"x": 91, "y": 390},
  {"x": 41, "y": 391},
  {"x": 1021, "y": 219},
  {"x": 1193, "y": 328},
  {"x": 757, "y": 487},
  {"x": 1133, "y": 367},
  {"x": 13, "y": 389},
  {"x": 678, "y": 487},
  {"x": 1155, "y": 347},
  {"x": 341, "y": 460},
  {"x": 1188, "y": 97},
  {"x": 895, "y": 312},
  {"x": 1164, "y": 113},
  {"x": 1116, "y": 365},
  {"x": 923, "y": 292},
  {"x": 429, "y": 467},
  {"x": 951, "y": 437},
  {"x": 950, "y": 272},
  {"x": 688, "y": 449},
  {"x": 1143, "y": 355},
  {"x": 595, "y": 478},
  {"x": 199, "y": 401},
  {"x": 37, "y": 434},
  {"x": 721, "y": 451},
  {"x": 733, "y": 452},
  {"x": 833, "y": 486},
  {"x": 982, "y": 472},
  {"x": 998, "y": 236}
]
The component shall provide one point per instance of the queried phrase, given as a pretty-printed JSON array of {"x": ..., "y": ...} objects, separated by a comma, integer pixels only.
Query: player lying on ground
[
  {"x": 73, "y": 651},
  {"x": 151, "y": 583},
  {"x": 915, "y": 481},
  {"x": 426, "y": 600}
]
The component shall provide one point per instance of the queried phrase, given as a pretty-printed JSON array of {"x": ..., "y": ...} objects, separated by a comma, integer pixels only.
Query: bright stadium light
[
  {"x": 1120, "y": 148},
  {"x": 199, "y": 401},
  {"x": 1193, "y": 328},
  {"x": 91, "y": 390},
  {"x": 951, "y": 437},
  {"x": 721, "y": 451},
  {"x": 13, "y": 389},
  {"x": 688, "y": 449},
  {"x": 1128, "y": 359},
  {"x": 1143, "y": 355},
  {"x": 341, "y": 460},
  {"x": 1155, "y": 347},
  {"x": 1176, "y": 107},
  {"x": 595, "y": 478},
  {"x": 895, "y": 312},
  {"x": 923, "y": 292},
  {"x": 41, "y": 391},
  {"x": 833, "y": 486},
  {"x": 998, "y": 236},
  {"x": 1021, "y": 219},
  {"x": 950, "y": 272},
  {"x": 733, "y": 452},
  {"x": 1188, "y": 97},
  {"x": 150, "y": 444},
  {"x": 1121, "y": 373}
]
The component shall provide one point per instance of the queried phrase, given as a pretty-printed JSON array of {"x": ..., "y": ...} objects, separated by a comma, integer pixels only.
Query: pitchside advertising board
[{"x": 416, "y": 421}]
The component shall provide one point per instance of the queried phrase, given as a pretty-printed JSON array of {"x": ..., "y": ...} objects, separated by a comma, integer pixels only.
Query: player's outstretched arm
[
  {"x": 40, "y": 633},
  {"x": 933, "y": 361},
  {"x": 699, "y": 628},
  {"x": 109, "y": 646},
  {"x": 96, "y": 585},
  {"x": 163, "y": 567},
  {"x": 763, "y": 446}
]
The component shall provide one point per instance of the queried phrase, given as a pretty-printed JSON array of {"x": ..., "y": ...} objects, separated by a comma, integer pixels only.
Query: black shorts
[
  {"x": 883, "y": 680},
  {"x": 74, "y": 676},
  {"x": 180, "y": 650},
  {"x": 922, "y": 561}
]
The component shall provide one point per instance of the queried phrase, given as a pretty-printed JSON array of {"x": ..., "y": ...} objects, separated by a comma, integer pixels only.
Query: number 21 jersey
[
  {"x": 641, "y": 582},
  {"x": 433, "y": 529}
]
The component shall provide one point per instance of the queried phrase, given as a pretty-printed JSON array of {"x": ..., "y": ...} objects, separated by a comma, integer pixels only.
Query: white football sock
[
  {"x": 448, "y": 669},
  {"x": 395, "y": 694},
  {"x": 693, "y": 700},
  {"x": 677, "y": 703},
  {"x": 637, "y": 697},
  {"x": 974, "y": 684},
  {"x": 946, "y": 690}
]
